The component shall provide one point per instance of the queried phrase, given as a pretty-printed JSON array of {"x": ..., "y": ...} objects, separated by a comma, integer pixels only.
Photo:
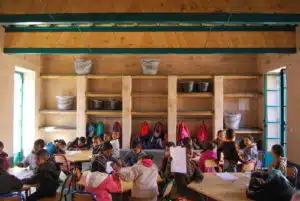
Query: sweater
[
  {"x": 100, "y": 162},
  {"x": 230, "y": 151},
  {"x": 30, "y": 161},
  {"x": 206, "y": 155},
  {"x": 279, "y": 164},
  {"x": 250, "y": 154},
  {"x": 132, "y": 158},
  {"x": 9, "y": 183}
]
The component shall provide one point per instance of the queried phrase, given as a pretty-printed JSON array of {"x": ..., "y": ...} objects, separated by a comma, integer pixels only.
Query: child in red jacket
[{"x": 3, "y": 155}]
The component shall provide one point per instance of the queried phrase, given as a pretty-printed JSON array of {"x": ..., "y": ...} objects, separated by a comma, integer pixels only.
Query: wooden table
[
  {"x": 79, "y": 156},
  {"x": 221, "y": 190}
]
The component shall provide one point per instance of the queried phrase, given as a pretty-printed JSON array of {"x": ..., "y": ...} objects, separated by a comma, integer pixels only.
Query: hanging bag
[
  {"x": 182, "y": 132},
  {"x": 202, "y": 134},
  {"x": 144, "y": 129},
  {"x": 100, "y": 129}
]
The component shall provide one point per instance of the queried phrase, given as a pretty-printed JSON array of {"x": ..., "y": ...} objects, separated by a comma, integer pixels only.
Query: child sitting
[
  {"x": 30, "y": 160},
  {"x": 230, "y": 151},
  {"x": 46, "y": 177},
  {"x": 3, "y": 156},
  {"x": 208, "y": 154},
  {"x": 250, "y": 152},
  {"x": 166, "y": 159},
  {"x": 279, "y": 162},
  {"x": 82, "y": 144},
  {"x": 60, "y": 146},
  {"x": 97, "y": 146},
  {"x": 9, "y": 183},
  {"x": 134, "y": 155},
  {"x": 144, "y": 177},
  {"x": 116, "y": 145}
]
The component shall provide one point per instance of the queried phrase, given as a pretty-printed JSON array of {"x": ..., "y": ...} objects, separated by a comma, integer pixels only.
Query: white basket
[
  {"x": 150, "y": 66},
  {"x": 232, "y": 120},
  {"x": 83, "y": 67},
  {"x": 64, "y": 102}
]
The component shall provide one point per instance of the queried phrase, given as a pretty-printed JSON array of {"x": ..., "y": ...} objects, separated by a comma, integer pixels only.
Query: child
[
  {"x": 220, "y": 138},
  {"x": 144, "y": 177},
  {"x": 3, "y": 156},
  {"x": 82, "y": 144},
  {"x": 207, "y": 154},
  {"x": 116, "y": 145},
  {"x": 134, "y": 155},
  {"x": 97, "y": 146},
  {"x": 107, "y": 137},
  {"x": 9, "y": 183},
  {"x": 60, "y": 147},
  {"x": 100, "y": 162},
  {"x": 30, "y": 160},
  {"x": 296, "y": 196},
  {"x": 279, "y": 162},
  {"x": 166, "y": 159},
  {"x": 230, "y": 151},
  {"x": 250, "y": 152},
  {"x": 46, "y": 177}
]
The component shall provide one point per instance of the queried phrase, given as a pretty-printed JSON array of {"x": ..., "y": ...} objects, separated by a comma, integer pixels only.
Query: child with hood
[
  {"x": 144, "y": 177},
  {"x": 279, "y": 162},
  {"x": 208, "y": 154}
]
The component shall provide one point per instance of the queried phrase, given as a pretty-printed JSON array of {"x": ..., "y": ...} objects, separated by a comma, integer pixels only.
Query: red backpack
[
  {"x": 202, "y": 134},
  {"x": 117, "y": 127},
  {"x": 182, "y": 131},
  {"x": 158, "y": 130},
  {"x": 144, "y": 129}
]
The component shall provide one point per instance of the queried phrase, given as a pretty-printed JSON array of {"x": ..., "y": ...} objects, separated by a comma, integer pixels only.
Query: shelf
[
  {"x": 46, "y": 111},
  {"x": 150, "y": 95},
  {"x": 154, "y": 77},
  {"x": 243, "y": 95},
  {"x": 241, "y": 77},
  {"x": 52, "y": 129},
  {"x": 148, "y": 114},
  {"x": 104, "y": 76},
  {"x": 108, "y": 113},
  {"x": 195, "y": 95},
  {"x": 249, "y": 131},
  {"x": 58, "y": 76},
  {"x": 194, "y": 77},
  {"x": 195, "y": 113},
  {"x": 104, "y": 95}
]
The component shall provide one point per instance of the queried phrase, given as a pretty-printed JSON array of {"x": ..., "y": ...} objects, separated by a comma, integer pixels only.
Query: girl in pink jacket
[{"x": 207, "y": 154}]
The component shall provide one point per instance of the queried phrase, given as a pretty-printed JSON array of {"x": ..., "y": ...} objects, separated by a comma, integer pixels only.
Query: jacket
[
  {"x": 30, "y": 161},
  {"x": 144, "y": 177},
  {"x": 9, "y": 183},
  {"x": 100, "y": 162},
  {"x": 116, "y": 148},
  {"x": 96, "y": 150},
  {"x": 132, "y": 158},
  {"x": 206, "y": 155},
  {"x": 4, "y": 156},
  {"x": 46, "y": 177},
  {"x": 102, "y": 184},
  {"x": 230, "y": 151},
  {"x": 279, "y": 164},
  {"x": 250, "y": 154}
]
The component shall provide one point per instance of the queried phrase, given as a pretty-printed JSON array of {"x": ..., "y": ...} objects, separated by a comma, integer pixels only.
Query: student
[
  {"x": 116, "y": 145},
  {"x": 220, "y": 138},
  {"x": 97, "y": 146},
  {"x": 230, "y": 151},
  {"x": 144, "y": 177},
  {"x": 209, "y": 153},
  {"x": 9, "y": 183},
  {"x": 279, "y": 162},
  {"x": 60, "y": 147},
  {"x": 250, "y": 152},
  {"x": 82, "y": 144},
  {"x": 100, "y": 162},
  {"x": 30, "y": 160},
  {"x": 107, "y": 137},
  {"x": 166, "y": 159},
  {"x": 46, "y": 177},
  {"x": 3, "y": 156},
  {"x": 296, "y": 196},
  {"x": 134, "y": 155}
]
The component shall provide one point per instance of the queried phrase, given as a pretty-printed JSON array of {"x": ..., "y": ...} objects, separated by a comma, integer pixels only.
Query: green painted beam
[
  {"x": 148, "y": 50},
  {"x": 214, "y": 18},
  {"x": 75, "y": 28}
]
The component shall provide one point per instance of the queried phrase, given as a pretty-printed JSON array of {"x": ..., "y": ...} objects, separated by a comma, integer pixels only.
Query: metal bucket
[
  {"x": 202, "y": 86},
  {"x": 188, "y": 87},
  {"x": 97, "y": 104}
]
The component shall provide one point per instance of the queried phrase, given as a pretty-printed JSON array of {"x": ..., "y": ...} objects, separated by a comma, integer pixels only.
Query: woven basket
[
  {"x": 64, "y": 102},
  {"x": 83, "y": 67},
  {"x": 150, "y": 66},
  {"x": 232, "y": 120}
]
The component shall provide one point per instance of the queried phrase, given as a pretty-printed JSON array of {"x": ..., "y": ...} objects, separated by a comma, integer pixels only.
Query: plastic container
[
  {"x": 97, "y": 104},
  {"x": 82, "y": 67},
  {"x": 232, "y": 120},
  {"x": 188, "y": 87},
  {"x": 64, "y": 102},
  {"x": 150, "y": 66},
  {"x": 202, "y": 86},
  {"x": 115, "y": 105}
]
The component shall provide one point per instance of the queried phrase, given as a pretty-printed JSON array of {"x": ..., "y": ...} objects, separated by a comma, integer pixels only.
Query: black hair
[
  {"x": 170, "y": 144},
  {"x": 2, "y": 165},
  {"x": 1, "y": 144},
  {"x": 187, "y": 140},
  {"x": 209, "y": 146},
  {"x": 136, "y": 144},
  {"x": 230, "y": 134},
  {"x": 43, "y": 154},
  {"x": 106, "y": 146},
  {"x": 278, "y": 150},
  {"x": 39, "y": 142},
  {"x": 62, "y": 142},
  {"x": 220, "y": 131},
  {"x": 249, "y": 137},
  {"x": 82, "y": 139},
  {"x": 188, "y": 146},
  {"x": 97, "y": 138},
  {"x": 148, "y": 156}
]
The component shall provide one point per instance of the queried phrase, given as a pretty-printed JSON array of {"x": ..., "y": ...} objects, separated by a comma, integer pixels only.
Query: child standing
[
  {"x": 97, "y": 146},
  {"x": 46, "y": 177},
  {"x": 209, "y": 153},
  {"x": 144, "y": 177},
  {"x": 134, "y": 155},
  {"x": 279, "y": 162},
  {"x": 9, "y": 183},
  {"x": 3, "y": 156},
  {"x": 250, "y": 152},
  {"x": 116, "y": 145}
]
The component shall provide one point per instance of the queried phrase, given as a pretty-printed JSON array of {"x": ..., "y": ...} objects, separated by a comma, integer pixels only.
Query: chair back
[
  {"x": 292, "y": 175},
  {"x": 210, "y": 165},
  {"x": 62, "y": 161},
  {"x": 248, "y": 167},
  {"x": 168, "y": 189},
  {"x": 12, "y": 197},
  {"x": 83, "y": 196}
]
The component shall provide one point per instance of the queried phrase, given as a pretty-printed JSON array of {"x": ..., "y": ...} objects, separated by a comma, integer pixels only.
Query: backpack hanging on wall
[
  {"x": 144, "y": 129},
  {"x": 158, "y": 130},
  {"x": 90, "y": 130},
  {"x": 100, "y": 129},
  {"x": 182, "y": 132},
  {"x": 202, "y": 134}
]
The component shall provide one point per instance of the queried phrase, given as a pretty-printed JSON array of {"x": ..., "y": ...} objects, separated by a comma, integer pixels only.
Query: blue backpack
[{"x": 50, "y": 147}]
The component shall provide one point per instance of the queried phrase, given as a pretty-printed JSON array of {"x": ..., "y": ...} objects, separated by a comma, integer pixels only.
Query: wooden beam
[
  {"x": 126, "y": 115},
  {"x": 172, "y": 108},
  {"x": 298, "y": 38},
  {"x": 81, "y": 106},
  {"x": 195, "y": 95},
  {"x": 44, "y": 111},
  {"x": 218, "y": 104},
  {"x": 195, "y": 113}
]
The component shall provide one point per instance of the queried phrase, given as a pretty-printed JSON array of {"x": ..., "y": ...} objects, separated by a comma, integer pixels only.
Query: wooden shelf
[
  {"x": 104, "y": 95},
  {"x": 150, "y": 95},
  {"x": 58, "y": 76},
  {"x": 241, "y": 77},
  {"x": 154, "y": 77},
  {"x": 194, "y": 77},
  {"x": 50, "y": 111},
  {"x": 108, "y": 113},
  {"x": 195, "y": 113},
  {"x": 104, "y": 76},
  {"x": 243, "y": 95},
  {"x": 249, "y": 131},
  {"x": 149, "y": 114},
  {"x": 195, "y": 95},
  {"x": 52, "y": 129}
]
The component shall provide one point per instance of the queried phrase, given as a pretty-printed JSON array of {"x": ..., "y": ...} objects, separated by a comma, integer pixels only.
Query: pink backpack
[
  {"x": 202, "y": 134},
  {"x": 182, "y": 131}
]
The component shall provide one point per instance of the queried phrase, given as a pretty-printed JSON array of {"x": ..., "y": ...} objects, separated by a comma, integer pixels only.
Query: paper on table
[
  {"x": 109, "y": 169},
  {"x": 23, "y": 174},
  {"x": 178, "y": 163},
  {"x": 226, "y": 176}
]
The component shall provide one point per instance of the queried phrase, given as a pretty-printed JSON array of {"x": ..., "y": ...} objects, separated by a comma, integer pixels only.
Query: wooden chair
[
  {"x": 248, "y": 167},
  {"x": 83, "y": 196},
  {"x": 292, "y": 175},
  {"x": 211, "y": 165},
  {"x": 166, "y": 195},
  {"x": 12, "y": 197},
  {"x": 63, "y": 162}
]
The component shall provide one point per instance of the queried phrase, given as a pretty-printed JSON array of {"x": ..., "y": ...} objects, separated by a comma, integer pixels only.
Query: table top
[
  {"x": 20, "y": 173},
  {"x": 79, "y": 156},
  {"x": 222, "y": 190}
]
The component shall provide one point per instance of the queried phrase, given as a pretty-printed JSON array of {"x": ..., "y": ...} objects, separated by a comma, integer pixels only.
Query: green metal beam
[
  {"x": 148, "y": 50},
  {"x": 75, "y": 28},
  {"x": 214, "y": 18}
]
